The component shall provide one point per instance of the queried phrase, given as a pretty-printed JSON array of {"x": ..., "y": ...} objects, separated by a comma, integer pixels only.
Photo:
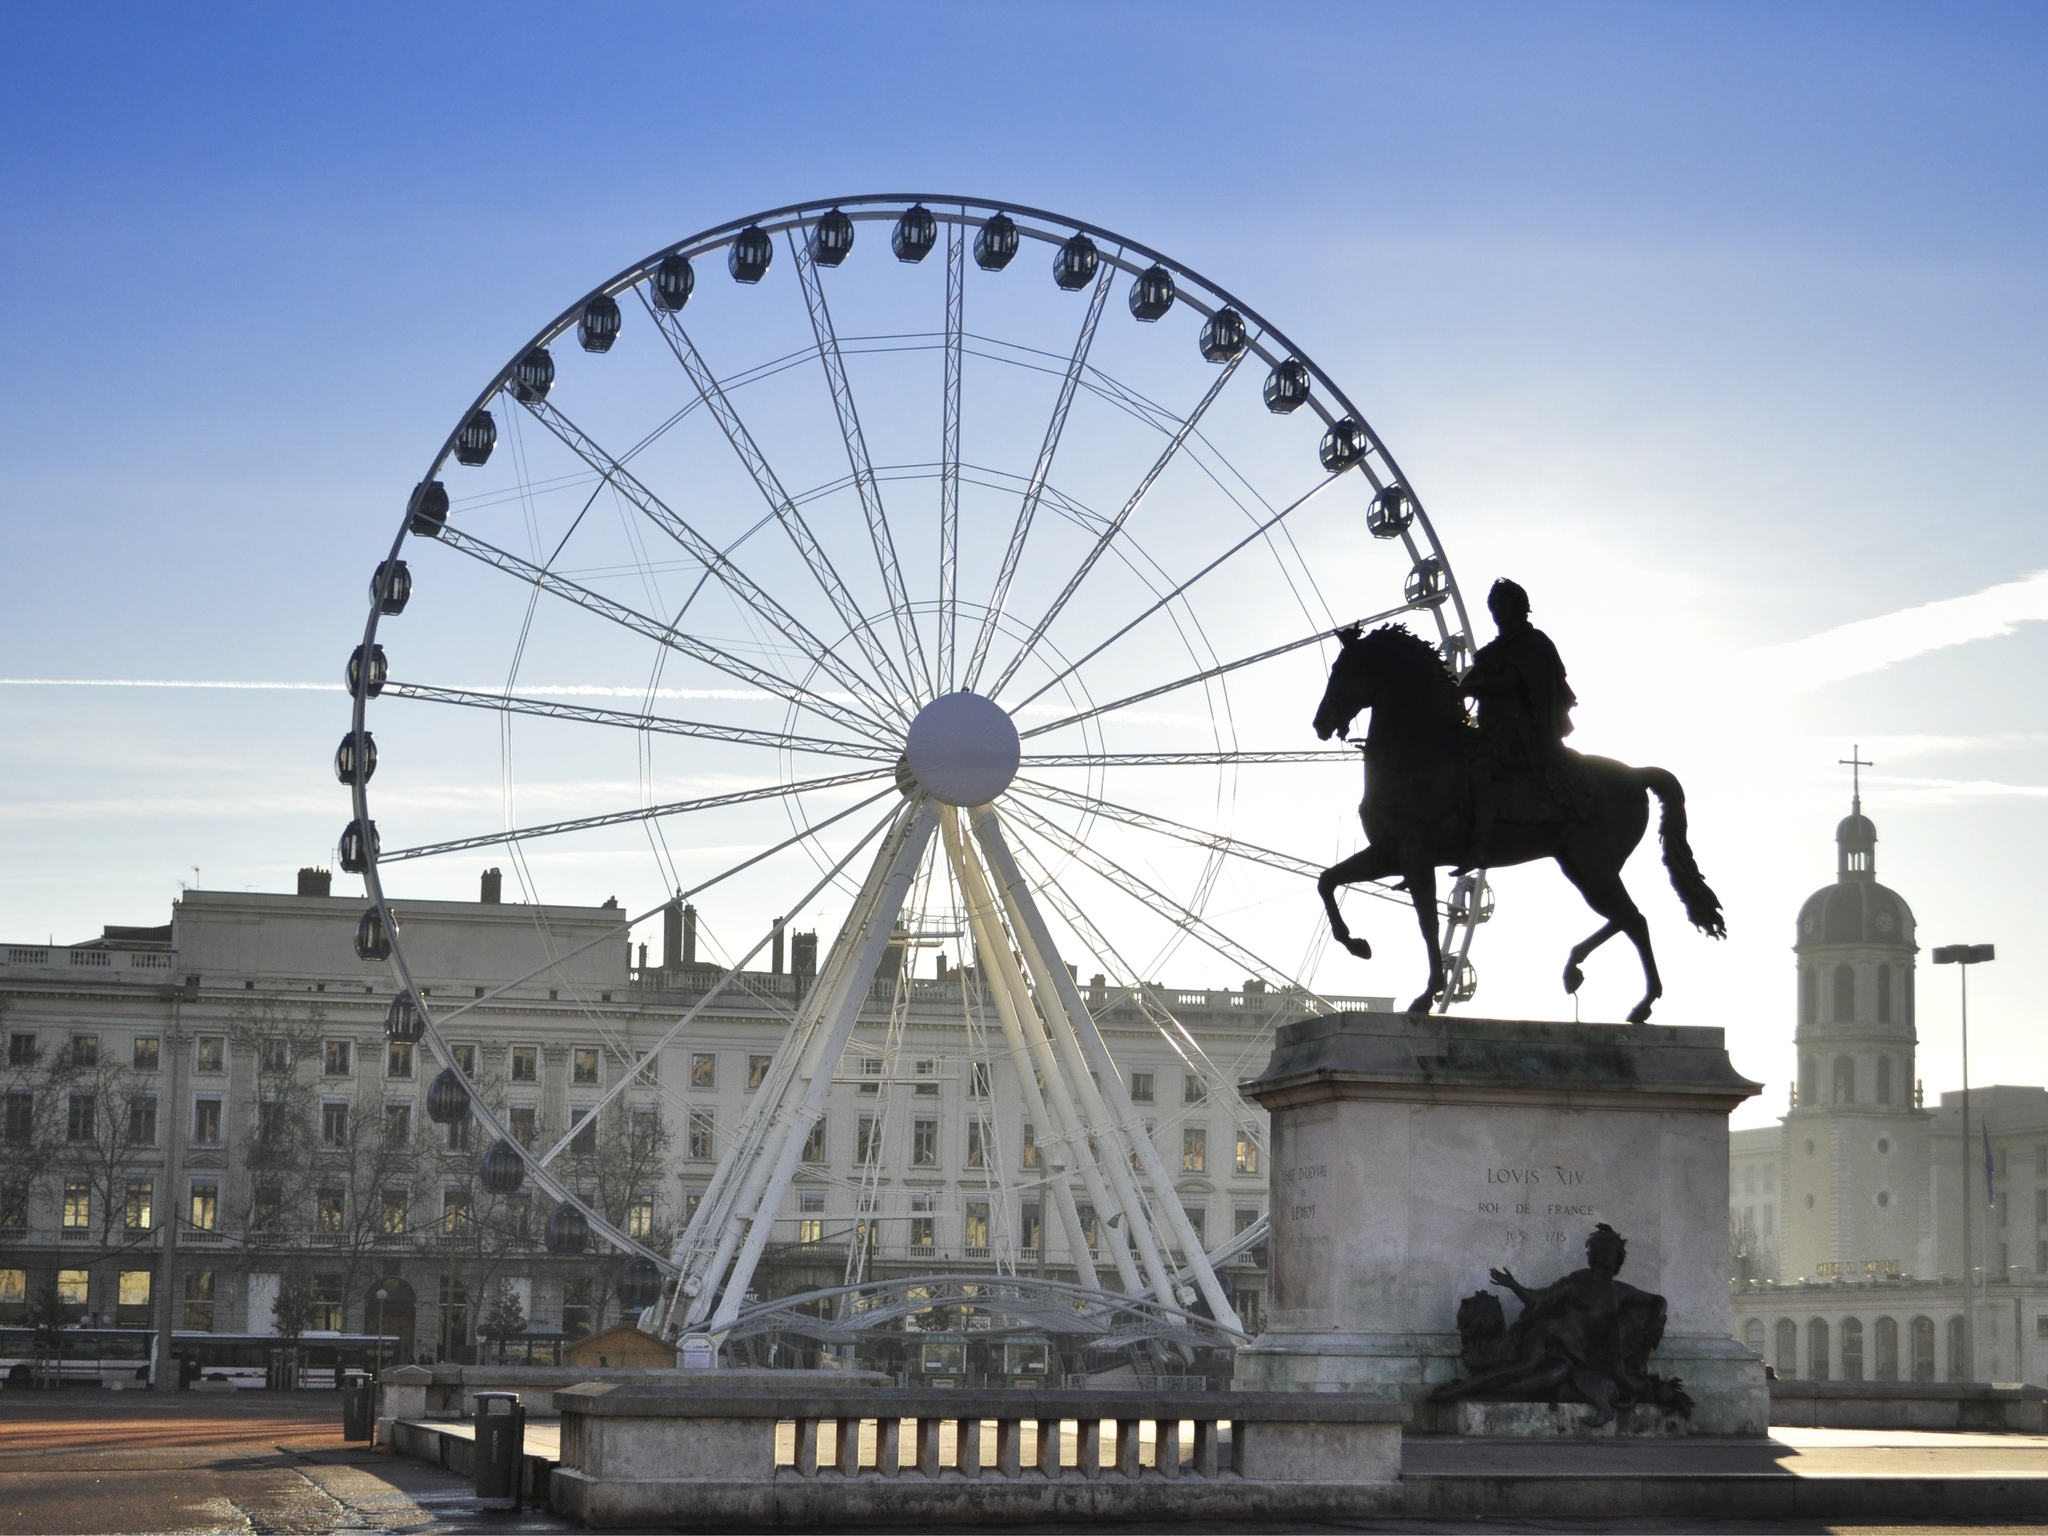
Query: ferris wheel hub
[{"x": 963, "y": 749}]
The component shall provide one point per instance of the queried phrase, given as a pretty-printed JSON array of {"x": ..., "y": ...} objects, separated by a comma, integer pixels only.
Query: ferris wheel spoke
[
  {"x": 637, "y": 814},
  {"x": 857, "y": 458},
  {"x": 732, "y": 973},
  {"x": 1203, "y": 676},
  {"x": 949, "y": 449},
  {"x": 1183, "y": 759},
  {"x": 1257, "y": 533},
  {"x": 715, "y": 561},
  {"x": 1145, "y": 820},
  {"x": 1032, "y": 492},
  {"x": 1115, "y": 524},
  {"x": 1222, "y": 1083},
  {"x": 1199, "y": 837},
  {"x": 856, "y": 720},
  {"x": 771, "y": 489},
  {"x": 1146, "y": 894},
  {"x": 556, "y": 709}
]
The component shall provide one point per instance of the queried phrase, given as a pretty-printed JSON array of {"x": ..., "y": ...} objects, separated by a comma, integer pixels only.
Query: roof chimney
[
  {"x": 315, "y": 882},
  {"x": 493, "y": 888}
]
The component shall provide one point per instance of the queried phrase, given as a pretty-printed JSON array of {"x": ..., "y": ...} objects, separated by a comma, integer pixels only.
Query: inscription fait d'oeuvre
[
  {"x": 1300, "y": 1181},
  {"x": 1558, "y": 1182}
]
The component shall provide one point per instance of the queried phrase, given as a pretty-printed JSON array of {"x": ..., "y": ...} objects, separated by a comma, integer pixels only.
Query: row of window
[
  {"x": 276, "y": 1054},
  {"x": 1844, "y": 990},
  {"x": 700, "y": 1143},
  {"x": 1845, "y": 1084},
  {"x": 815, "y": 1225},
  {"x": 523, "y": 1064},
  {"x": 1847, "y": 1352},
  {"x": 82, "y": 1123},
  {"x": 391, "y": 1217}
]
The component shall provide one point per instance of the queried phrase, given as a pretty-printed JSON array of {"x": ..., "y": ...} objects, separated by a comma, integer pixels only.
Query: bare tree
[
  {"x": 1750, "y": 1256},
  {"x": 101, "y": 1130},
  {"x": 504, "y": 1318},
  {"x": 34, "y": 1110},
  {"x": 283, "y": 1134},
  {"x": 619, "y": 1170}
]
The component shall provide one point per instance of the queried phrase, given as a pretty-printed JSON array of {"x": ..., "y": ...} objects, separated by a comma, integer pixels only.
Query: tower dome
[{"x": 1855, "y": 909}]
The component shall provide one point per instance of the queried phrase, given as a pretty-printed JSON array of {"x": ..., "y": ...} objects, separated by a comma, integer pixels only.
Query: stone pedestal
[{"x": 1410, "y": 1156}]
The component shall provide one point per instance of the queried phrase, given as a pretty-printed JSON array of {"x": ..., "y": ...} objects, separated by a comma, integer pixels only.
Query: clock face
[{"x": 1886, "y": 922}]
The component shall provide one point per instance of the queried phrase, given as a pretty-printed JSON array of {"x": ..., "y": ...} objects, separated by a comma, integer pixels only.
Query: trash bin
[
  {"x": 500, "y": 1447},
  {"x": 188, "y": 1372},
  {"x": 358, "y": 1406}
]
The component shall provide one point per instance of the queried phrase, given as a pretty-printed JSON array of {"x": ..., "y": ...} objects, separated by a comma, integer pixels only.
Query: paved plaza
[{"x": 97, "y": 1463}]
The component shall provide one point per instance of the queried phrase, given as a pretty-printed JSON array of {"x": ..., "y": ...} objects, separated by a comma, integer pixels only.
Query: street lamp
[
  {"x": 1963, "y": 956},
  {"x": 378, "y": 1296}
]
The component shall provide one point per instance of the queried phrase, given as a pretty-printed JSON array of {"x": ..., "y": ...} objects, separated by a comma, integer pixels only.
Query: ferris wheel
[{"x": 923, "y": 569}]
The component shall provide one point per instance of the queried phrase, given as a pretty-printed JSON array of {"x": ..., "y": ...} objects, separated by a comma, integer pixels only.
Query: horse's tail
[{"x": 1702, "y": 906}]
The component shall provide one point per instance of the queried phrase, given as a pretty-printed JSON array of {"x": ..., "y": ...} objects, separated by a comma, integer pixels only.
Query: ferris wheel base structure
[
  {"x": 969, "y": 750},
  {"x": 1413, "y": 1155}
]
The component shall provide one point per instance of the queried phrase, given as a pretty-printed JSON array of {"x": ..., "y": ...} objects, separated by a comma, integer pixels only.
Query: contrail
[
  {"x": 1871, "y": 645},
  {"x": 535, "y": 690}
]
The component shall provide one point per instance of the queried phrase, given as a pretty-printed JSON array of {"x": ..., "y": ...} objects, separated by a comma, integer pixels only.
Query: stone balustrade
[
  {"x": 449, "y": 1391},
  {"x": 697, "y": 1456},
  {"x": 1972, "y": 1406}
]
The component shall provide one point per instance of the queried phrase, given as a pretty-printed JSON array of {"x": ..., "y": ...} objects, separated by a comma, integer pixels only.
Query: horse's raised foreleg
[
  {"x": 1573, "y": 976},
  {"x": 1421, "y": 882},
  {"x": 1368, "y": 863},
  {"x": 1606, "y": 895}
]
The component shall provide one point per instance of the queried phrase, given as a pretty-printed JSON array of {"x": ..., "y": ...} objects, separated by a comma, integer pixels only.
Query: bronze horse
[{"x": 1417, "y": 809}]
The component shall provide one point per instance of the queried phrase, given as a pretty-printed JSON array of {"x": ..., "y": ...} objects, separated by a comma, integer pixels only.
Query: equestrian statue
[{"x": 1444, "y": 788}]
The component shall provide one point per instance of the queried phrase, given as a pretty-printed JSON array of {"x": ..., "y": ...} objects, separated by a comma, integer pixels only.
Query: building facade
[
  {"x": 1846, "y": 1218},
  {"x": 231, "y": 1071}
]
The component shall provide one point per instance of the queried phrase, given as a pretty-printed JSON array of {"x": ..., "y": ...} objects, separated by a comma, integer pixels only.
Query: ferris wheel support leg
[
  {"x": 858, "y": 952},
  {"x": 1125, "y": 1132},
  {"x": 1053, "y": 977},
  {"x": 989, "y": 938},
  {"x": 1077, "y": 1129}
]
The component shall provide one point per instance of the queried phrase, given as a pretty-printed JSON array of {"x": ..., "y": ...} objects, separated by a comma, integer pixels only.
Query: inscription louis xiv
[{"x": 1520, "y": 1196}]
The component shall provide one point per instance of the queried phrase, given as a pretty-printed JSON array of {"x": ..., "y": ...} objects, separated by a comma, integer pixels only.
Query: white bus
[{"x": 126, "y": 1357}]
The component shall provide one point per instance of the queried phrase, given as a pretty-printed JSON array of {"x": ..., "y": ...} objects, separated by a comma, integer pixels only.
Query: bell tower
[{"x": 1855, "y": 1136}]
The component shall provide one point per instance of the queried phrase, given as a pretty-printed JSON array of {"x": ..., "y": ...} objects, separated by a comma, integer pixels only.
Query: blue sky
[{"x": 1721, "y": 327}]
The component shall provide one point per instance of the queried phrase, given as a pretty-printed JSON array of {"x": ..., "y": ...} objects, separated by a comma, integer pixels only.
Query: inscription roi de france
[{"x": 1554, "y": 1173}]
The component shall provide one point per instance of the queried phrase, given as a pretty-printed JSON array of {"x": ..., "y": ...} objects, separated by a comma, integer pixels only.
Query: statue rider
[{"x": 1525, "y": 705}]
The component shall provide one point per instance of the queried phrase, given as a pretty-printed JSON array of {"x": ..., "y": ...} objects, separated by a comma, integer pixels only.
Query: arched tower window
[
  {"x": 1957, "y": 1366},
  {"x": 1884, "y": 994},
  {"x": 1817, "y": 1350},
  {"x": 1845, "y": 994},
  {"x": 1884, "y": 1079},
  {"x": 1809, "y": 1081},
  {"x": 1852, "y": 1349},
  {"x": 1788, "y": 1347},
  {"x": 1922, "y": 1331},
  {"x": 1887, "y": 1349},
  {"x": 1906, "y": 987},
  {"x": 1809, "y": 996},
  {"x": 1845, "y": 1080}
]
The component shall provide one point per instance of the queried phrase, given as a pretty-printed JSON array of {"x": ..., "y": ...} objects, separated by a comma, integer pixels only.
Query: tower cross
[{"x": 1855, "y": 762}]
